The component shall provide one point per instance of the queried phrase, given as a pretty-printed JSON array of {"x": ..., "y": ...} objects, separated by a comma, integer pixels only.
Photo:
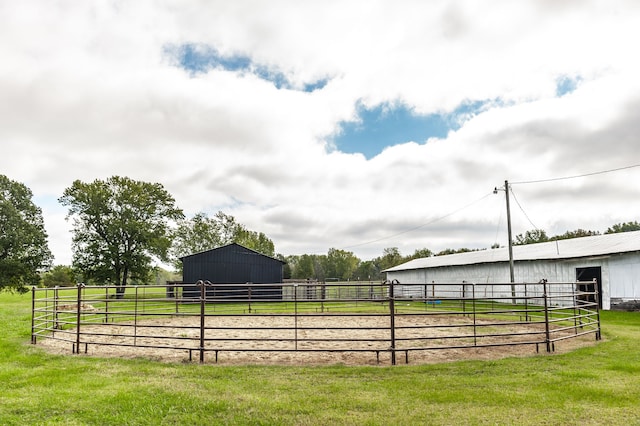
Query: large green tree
[
  {"x": 302, "y": 267},
  {"x": 202, "y": 233},
  {"x": 340, "y": 264},
  {"x": 257, "y": 241},
  {"x": 23, "y": 240},
  {"x": 120, "y": 226}
]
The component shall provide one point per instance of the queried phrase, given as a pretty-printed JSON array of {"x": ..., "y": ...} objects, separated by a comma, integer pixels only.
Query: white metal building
[{"x": 612, "y": 259}]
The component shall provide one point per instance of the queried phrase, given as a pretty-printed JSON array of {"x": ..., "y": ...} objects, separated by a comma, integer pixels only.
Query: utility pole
[{"x": 511, "y": 272}]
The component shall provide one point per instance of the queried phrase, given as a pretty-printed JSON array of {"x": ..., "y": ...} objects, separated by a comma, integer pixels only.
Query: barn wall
[
  {"x": 623, "y": 271},
  {"x": 232, "y": 264},
  {"x": 624, "y": 276}
]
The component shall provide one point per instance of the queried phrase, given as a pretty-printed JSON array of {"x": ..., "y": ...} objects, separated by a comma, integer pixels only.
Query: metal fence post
[
  {"x": 576, "y": 309},
  {"x": 203, "y": 295},
  {"x": 464, "y": 298},
  {"x": 106, "y": 304},
  {"x": 80, "y": 286},
  {"x": 177, "y": 296},
  {"x": 597, "y": 297},
  {"x": 473, "y": 301},
  {"x": 545, "y": 296},
  {"x": 526, "y": 303},
  {"x": 33, "y": 315},
  {"x": 56, "y": 323},
  {"x": 295, "y": 316},
  {"x": 135, "y": 318},
  {"x": 392, "y": 312}
]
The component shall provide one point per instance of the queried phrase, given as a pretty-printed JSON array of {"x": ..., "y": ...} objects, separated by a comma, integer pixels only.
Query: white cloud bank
[{"x": 87, "y": 91}]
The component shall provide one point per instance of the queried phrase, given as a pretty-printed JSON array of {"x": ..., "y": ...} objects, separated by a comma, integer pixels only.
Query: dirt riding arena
[
  {"x": 316, "y": 324},
  {"x": 325, "y": 342}
]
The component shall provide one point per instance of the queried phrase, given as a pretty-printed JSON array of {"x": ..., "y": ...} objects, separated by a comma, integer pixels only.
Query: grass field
[{"x": 594, "y": 385}]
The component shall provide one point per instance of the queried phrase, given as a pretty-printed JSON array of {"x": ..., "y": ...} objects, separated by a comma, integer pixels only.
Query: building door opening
[{"x": 588, "y": 274}]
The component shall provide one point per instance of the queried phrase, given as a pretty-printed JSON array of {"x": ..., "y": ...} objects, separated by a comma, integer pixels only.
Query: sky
[{"x": 355, "y": 125}]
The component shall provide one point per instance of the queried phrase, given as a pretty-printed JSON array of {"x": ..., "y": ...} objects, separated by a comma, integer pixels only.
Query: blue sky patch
[
  {"x": 387, "y": 125},
  {"x": 566, "y": 84},
  {"x": 199, "y": 58}
]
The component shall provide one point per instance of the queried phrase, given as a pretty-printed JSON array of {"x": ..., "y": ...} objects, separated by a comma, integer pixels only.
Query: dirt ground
[{"x": 348, "y": 340}]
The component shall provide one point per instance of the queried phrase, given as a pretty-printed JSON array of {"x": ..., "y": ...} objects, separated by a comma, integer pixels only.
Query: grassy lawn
[{"x": 595, "y": 385}]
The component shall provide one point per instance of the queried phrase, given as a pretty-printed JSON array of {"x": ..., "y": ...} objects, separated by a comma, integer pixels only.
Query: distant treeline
[{"x": 344, "y": 265}]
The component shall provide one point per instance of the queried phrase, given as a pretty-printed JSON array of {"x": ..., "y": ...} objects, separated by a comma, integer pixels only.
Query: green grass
[{"x": 594, "y": 385}]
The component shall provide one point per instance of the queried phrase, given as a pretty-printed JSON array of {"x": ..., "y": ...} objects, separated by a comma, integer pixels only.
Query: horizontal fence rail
[{"x": 378, "y": 318}]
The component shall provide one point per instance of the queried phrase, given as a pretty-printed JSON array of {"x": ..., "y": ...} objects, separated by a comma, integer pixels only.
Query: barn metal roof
[
  {"x": 598, "y": 245},
  {"x": 226, "y": 247}
]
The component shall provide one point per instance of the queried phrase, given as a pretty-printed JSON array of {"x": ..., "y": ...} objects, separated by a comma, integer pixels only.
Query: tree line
[
  {"x": 540, "y": 236},
  {"x": 343, "y": 265},
  {"x": 123, "y": 227}
]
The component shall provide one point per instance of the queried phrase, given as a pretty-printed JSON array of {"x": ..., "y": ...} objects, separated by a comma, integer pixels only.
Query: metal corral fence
[{"x": 390, "y": 317}]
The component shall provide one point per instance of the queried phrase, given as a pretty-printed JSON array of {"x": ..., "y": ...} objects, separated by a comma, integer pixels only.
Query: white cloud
[{"x": 86, "y": 92}]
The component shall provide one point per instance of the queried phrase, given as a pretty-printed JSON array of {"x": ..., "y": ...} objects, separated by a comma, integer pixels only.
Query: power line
[
  {"x": 485, "y": 196},
  {"x": 521, "y": 209},
  {"x": 576, "y": 176},
  {"x": 421, "y": 226}
]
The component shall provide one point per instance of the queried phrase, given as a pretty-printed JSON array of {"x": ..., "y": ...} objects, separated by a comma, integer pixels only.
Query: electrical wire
[
  {"x": 521, "y": 209},
  {"x": 574, "y": 177},
  {"x": 421, "y": 226},
  {"x": 486, "y": 195}
]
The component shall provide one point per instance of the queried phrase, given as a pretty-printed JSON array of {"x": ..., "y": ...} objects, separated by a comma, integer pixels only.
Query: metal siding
[
  {"x": 599, "y": 245},
  {"x": 232, "y": 264},
  {"x": 531, "y": 272},
  {"x": 625, "y": 277}
]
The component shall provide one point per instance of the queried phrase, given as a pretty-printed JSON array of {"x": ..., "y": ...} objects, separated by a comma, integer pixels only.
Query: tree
[
  {"x": 257, "y": 241},
  {"x": 623, "y": 227},
  {"x": 340, "y": 264},
  {"x": 286, "y": 268},
  {"x": 367, "y": 271},
  {"x": 420, "y": 253},
  {"x": 303, "y": 267},
  {"x": 202, "y": 233},
  {"x": 196, "y": 235},
  {"x": 452, "y": 251},
  {"x": 23, "y": 240},
  {"x": 319, "y": 262},
  {"x": 161, "y": 275},
  {"x": 574, "y": 234},
  {"x": 531, "y": 237},
  {"x": 391, "y": 257},
  {"x": 59, "y": 276},
  {"x": 120, "y": 225}
]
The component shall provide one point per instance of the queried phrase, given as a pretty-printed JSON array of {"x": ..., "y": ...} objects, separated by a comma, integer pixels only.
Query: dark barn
[{"x": 232, "y": 264}]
